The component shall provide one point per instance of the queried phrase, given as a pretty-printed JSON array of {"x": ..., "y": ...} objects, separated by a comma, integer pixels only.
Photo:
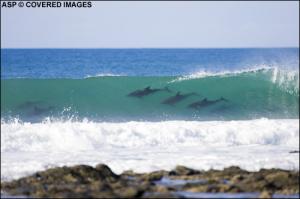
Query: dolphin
[
  {"x": 177, "y": 98},
  {"x": 205, "y": 102},
  {"x": 146, "y": 91},
  {"x": 40, "y": 111},
  {"x": 28, "y": 104}
]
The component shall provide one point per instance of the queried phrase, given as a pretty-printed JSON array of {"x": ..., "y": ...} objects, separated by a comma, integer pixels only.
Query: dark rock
[
  {"x": 83, "y": 181},
  {"x": 79, "y": 181},
  {"x": 265, "y": 194},
  {"x": 161, "y": 195},
  {"x": 234, "y": 171},
  {"x": 237, "y": 178},
  {"x": 106, "y": 171},
  {"x": 279, "y": 179},
  {"x": 129, "y": 173},
  {"x": 182, "y": 170},
  {"x": 153, "y": 176}
]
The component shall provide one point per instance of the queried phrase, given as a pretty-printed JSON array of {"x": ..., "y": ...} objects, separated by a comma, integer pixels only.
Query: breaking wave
[{"x": 53, "y": 136}]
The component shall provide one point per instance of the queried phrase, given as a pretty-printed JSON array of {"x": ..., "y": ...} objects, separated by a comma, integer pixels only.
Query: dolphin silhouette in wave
[
  {"x": 29, "y": 104},
  {"x": 147, "y": 91},
  {"x": 177, "y": 98},
  {"x": 205, "y": 102},
  {"x": 39, "y": 110}
]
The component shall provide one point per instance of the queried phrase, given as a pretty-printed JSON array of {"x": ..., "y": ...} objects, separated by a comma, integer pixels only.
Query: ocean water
[{"x": 209, "y": 108}]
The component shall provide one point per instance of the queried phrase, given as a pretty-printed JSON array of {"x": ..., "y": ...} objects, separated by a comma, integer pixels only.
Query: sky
[{"x": 153, "y": 25}]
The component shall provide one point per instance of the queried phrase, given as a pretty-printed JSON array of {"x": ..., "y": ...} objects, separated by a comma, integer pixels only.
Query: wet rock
[
  {"x": 278, "y": 179},
  {"x": 265, "y": 194},
  {"x": 162, "y": 195},
  {"x": 237, "y": 178},
  {"x": 106, "y": 172},
  {"x": 212, "y": 188},
  {"x": 129, "y": 173},
  {"x": 130, "y": 192},
  {"x": 79, "y": 181},
  {"x": 154, "y": 176},
  {"x": 182, "y": 170},
  {"x": 233, "y": 170},
  {"x": 100, "y": 182},
  {"x": 161, "y": 189}
]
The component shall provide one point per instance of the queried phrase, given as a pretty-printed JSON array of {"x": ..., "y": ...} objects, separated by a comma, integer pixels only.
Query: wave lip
[
  {"x": 254, "y": 69},
  {"x": 285, "y": 79},
  {"x": 102, "y": 75},
  {"x": 80, "y": 136},
  {"x": 204, "y": 73}
]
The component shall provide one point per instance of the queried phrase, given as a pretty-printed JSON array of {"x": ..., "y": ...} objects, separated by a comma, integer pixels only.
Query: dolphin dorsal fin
[
  {"x": 147, "y": 88},
  {"x": 178, "y": 93}
]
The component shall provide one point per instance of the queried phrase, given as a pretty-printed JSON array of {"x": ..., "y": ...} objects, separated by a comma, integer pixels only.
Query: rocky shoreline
[{"x": 100, "y": 182}]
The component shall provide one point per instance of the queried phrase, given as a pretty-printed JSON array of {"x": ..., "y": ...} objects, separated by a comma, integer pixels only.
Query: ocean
[{"x": 149, "y": 109}]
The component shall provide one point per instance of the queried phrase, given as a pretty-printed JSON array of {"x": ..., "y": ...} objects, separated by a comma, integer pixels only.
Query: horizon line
[{"x": 147, "y": 47}]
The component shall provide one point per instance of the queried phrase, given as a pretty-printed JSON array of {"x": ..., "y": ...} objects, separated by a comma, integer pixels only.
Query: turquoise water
[{"x": 249, "y": 95}]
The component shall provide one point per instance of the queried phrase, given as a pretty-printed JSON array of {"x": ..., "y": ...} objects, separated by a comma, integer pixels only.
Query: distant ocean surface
[
  {"x": 83, "y": 63},
  {"x": 97, "y": 102}
]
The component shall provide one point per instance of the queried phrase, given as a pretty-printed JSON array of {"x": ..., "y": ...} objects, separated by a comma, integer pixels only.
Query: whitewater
[{"x": 148, "y": 146}]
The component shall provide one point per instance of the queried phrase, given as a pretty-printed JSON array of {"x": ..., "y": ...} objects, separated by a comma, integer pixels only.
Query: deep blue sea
[{"x": 81, "y": 63}]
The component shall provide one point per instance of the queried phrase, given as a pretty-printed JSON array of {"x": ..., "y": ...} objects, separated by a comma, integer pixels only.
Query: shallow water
[{"x": 230, "y": 195}]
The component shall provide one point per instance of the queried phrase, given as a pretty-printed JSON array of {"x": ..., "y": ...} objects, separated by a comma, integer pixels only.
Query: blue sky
[{"x": 153, "y": 25}]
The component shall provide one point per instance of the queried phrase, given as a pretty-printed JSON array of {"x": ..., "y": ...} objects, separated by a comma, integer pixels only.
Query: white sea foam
[
  {"x": 102, "y": 75},
  {"x": 74, "y": 136},
  {"x": 277, "y": 73},
  {"x": 146, "y": 146},
  {"x": 287, "y": 80},
  {"x": 205, "y": 73}
]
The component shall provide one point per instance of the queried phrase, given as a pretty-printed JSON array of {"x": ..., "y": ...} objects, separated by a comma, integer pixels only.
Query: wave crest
[{"x": 287, "y": 80}]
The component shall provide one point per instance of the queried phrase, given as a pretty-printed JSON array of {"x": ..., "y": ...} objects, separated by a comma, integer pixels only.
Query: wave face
[{"x": 252, "y": 94}]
